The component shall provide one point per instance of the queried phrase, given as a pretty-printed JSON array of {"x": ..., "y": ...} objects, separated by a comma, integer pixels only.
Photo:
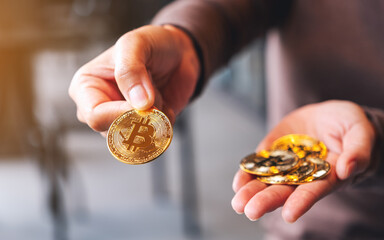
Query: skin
[
  {"x": 349, "y": 137},
  {"x": 150, "y": 66}
]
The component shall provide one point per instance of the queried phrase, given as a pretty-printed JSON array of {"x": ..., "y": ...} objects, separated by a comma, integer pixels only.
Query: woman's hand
[
  {"x": 349, "y": 137},
  {"x": 152, "y": 65}
]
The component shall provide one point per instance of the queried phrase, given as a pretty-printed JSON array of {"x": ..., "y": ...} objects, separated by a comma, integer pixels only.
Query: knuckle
[
  {"x": 131, "y": 38},
  {"x": 71, "y": 91},
  {"x": 95, "y": 124},
  {"x": 76, "y": 81},
  {"x": 124, "y": 38},
  {"x": 128, "y": 72},
  {"x": 92, "y": 120},
  {"x": 308, "y": 195},
  {"x": 246, "y": 193},
  {"x": 270, "y": 196},
  {"x": 80, "y": 116},
  {"x": 130, "y": 69}
]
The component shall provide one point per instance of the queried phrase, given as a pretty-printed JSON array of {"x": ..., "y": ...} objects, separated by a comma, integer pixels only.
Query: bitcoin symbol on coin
[
  {"x": 137, "y": 138},
  {"x": 275, "y": 162}
]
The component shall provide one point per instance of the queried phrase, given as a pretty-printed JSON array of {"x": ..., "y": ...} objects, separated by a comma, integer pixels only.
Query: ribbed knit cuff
[{"x": 376, "y": 167}]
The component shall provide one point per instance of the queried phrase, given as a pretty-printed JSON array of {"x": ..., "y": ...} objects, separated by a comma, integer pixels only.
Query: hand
[
  {"x": 349, "y": 137},
  {"x": 149, "y": 66}
]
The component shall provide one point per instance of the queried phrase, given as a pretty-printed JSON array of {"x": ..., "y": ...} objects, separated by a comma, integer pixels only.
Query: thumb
[
  {"x": 132, "y": 77},
  {"x": 356, "y": 154}
]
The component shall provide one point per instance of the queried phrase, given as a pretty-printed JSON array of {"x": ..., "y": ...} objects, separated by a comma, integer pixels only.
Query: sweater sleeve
[
  {"x": 376, "y": 168},
  {"x": 220, "y": 27}
]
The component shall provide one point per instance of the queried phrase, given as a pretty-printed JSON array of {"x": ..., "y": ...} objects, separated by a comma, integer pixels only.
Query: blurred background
[{"x": 57, "y": 178}]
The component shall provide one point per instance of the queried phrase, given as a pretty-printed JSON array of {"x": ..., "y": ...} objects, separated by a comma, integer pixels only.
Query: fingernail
[
  {"x": 138, "y": 97},
  {"x": 253, "y": 220},
  {"x": 240, "y": 213}
]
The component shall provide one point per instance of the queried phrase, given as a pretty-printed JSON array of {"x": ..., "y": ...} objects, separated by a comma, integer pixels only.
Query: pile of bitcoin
[
  {"x": 292, "y": 159},
  {"x": 138, "y": 137}
]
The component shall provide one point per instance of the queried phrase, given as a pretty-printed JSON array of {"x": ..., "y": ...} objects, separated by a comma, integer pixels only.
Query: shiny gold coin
[
  {"x": 322, "y": 169},
  {"x": 267, "y": 163},
  {"x": 305, "y": 169},
  {"x": 138, "y": 137},
  {"x": 303, "y": 145}
]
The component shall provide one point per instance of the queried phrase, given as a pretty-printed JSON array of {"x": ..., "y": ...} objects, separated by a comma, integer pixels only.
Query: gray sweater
[{"x": 316, "y": 51}]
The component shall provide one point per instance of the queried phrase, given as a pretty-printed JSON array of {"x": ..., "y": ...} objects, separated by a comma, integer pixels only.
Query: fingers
[
  {"x": 97, "y": 108},
  {"x": 131, "y": 54},
  {"x": 302, "y": 200},
  {"x": 255, "y": 198},
  {"x": 240, "y": 179},
  {"x": 305, "y": 196},
  {"x": 268, "y": 200},
  {"x": 242, "y": 197},
  {"x": 357, "y": 147},
  {"x": 96, "y": 95},
  {"x": 101, "y": 87}
]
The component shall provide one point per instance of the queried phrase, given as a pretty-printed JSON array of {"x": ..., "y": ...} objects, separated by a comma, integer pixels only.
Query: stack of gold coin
[
  {"x": 138, "y": 137},
  {"x": 292, "y": 159}
]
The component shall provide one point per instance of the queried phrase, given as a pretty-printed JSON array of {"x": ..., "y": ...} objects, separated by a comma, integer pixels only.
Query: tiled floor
[{"x": 106, "y": 199}]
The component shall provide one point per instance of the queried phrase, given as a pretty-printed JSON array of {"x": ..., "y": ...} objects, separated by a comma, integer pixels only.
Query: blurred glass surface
[{"x": 57, "y": 178}]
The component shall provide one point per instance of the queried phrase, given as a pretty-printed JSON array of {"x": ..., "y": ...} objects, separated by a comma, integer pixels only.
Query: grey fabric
[{"x": 320, "y": 50}]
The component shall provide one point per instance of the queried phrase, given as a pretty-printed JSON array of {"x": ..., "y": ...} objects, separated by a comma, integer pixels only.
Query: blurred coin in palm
[
  {"x": 138, "y": 137},
  {"x": 304, "y": 170},
  {"x": 322, "y": 169},
  {"x": 267, "y": 163},
  {"x": 302, "y": 145}
]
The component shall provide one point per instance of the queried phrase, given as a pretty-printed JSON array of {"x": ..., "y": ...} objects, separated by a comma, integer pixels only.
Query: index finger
[
  {"x": 306, "y": 195},
  {"x": 96, "y": 94},
  {"x": 241, "y": 178}
]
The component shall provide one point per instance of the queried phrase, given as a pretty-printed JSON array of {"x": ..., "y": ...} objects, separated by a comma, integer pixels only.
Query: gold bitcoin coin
[
  {"x": 322, "y": 169},
  {"x": 267, "y": 163},
  {"x": 294, "y": 177},
  {"x": 138, "y": 137},
  {"x": 303, "y": 145}
]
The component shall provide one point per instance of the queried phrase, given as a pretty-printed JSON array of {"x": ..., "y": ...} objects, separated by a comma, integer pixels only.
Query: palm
[{"x": 348, "y": 135}]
